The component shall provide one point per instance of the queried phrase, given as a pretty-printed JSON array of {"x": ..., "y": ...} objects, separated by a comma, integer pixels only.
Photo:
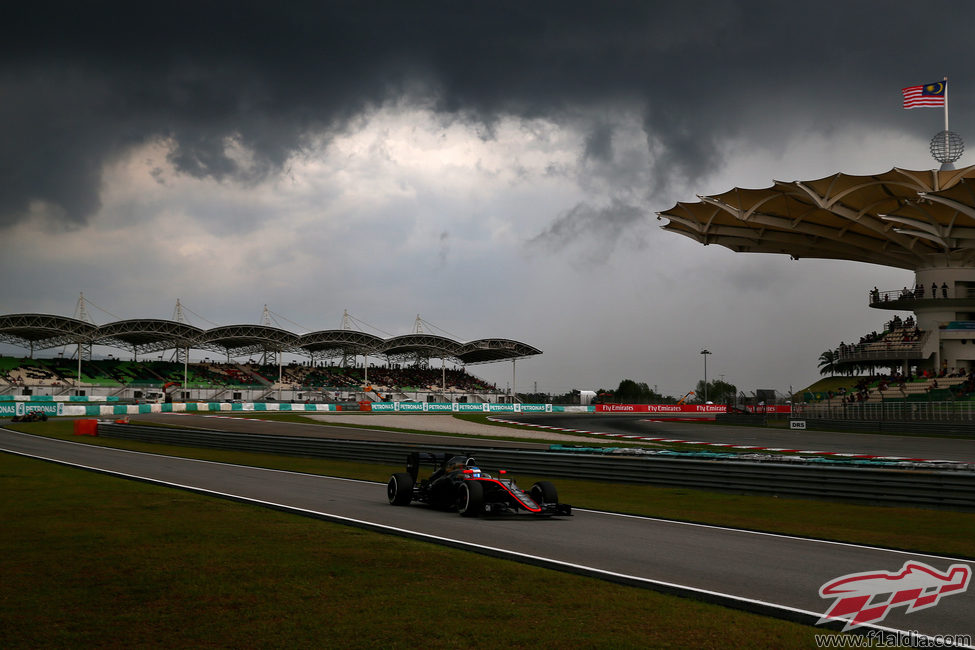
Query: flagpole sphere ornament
[{"x": 947, "y": 147}]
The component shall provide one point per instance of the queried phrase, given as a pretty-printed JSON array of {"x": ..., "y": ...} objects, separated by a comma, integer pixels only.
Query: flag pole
[
  {"x": 946, "y": 112},
  {"x": 947, "y": 139}
]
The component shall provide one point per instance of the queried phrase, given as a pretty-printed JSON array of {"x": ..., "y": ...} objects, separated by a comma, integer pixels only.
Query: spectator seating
[{"x": 111, "y": 373}]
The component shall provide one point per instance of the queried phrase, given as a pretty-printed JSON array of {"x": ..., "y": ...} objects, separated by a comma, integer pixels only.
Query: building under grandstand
[
  {"x": 923, "y": 221},
  {"x": 247, "y": 364}
]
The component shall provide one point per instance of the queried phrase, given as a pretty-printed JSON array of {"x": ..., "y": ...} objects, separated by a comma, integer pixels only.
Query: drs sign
[{"x": 797, "y": 424}]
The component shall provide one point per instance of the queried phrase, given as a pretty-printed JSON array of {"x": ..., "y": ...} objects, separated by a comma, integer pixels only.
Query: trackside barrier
[
  {"x": 194, "y": 407},
  {"x": 887, "y": 486},
  {"x": 956, "y": 429},
  {"x": 86, "y": 427},
  {"x": 246, "y": 407},
  {"x": 473, "y": 407},
  {"x": 896, "y": 409},
  {"x": 50, "y": 409},
  {"x": 687, "y": 409},
  {"x": 55, "y": 398}
]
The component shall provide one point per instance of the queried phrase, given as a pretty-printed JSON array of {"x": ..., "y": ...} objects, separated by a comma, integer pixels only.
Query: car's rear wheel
[
  {"x": 471, "y": 501},
  {"x": 544, "y": 492},
  {"x": 399, "y": 490}
]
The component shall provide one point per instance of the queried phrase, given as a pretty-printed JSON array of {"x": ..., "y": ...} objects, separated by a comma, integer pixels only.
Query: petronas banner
[{"x": 12, "y": 409}]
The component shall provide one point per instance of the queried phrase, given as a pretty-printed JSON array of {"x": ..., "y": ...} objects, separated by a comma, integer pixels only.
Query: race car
[
  {"x": 457, "y": 483},
  {"x": 30, "y": 416}
]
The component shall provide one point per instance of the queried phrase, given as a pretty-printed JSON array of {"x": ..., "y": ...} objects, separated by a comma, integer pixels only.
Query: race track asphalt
[
  {"x": 955, "y": 449},
  {"x": 333, "y": 431},
  {"x": 751, "y": 570}
]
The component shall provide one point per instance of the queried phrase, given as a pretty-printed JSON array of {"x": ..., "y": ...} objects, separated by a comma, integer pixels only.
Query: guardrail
[
  {"x": 944, "y": 429},
  {"x": 888, "y": 486},
  {"x": 950, "y": 429},
  {"x": 920, "y": 414}
]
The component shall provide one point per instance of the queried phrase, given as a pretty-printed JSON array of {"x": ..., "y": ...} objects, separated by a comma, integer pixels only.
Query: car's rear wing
[{"x": 416, "y": 458}]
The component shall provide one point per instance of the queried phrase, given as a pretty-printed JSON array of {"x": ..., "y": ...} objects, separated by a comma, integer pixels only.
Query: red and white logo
[{"x": 868, "y": 597}]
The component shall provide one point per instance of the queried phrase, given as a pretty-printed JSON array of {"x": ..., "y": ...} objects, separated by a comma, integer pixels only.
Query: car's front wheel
[
  {"x": 544, "y": 492},
  {"x": 471, "y": 501},
  {"x": 399, "y": 490}
]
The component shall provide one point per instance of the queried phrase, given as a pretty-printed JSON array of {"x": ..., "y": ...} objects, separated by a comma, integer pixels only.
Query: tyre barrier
[{"x": 946, "y": 489}]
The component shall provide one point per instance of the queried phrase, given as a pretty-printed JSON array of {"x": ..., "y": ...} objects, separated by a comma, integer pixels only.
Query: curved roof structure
[
  {"x": 408, "y": 346},
  {"x": 42, "y": 331},
  {"x": 143, "y": 336},
  {"x": 340, "y": 343},
  {"x": 249, "y": 339},
  {"x": 901, "y": 218},
  {"x": 488, "y": 350}
]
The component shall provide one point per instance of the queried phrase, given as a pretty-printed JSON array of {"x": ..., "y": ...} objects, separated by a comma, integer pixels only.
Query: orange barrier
[{"x": 86, "y": 427}]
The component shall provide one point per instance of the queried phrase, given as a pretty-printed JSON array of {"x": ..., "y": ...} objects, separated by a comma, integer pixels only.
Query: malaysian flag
[{"x": 925, "y": 95}]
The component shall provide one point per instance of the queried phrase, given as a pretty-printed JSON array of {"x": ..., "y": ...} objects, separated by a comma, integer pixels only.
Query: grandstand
[
  {"x": 246, "y": 381},
  {"x": 923, "y": 221},
  {"x": 330, "y": 373}
]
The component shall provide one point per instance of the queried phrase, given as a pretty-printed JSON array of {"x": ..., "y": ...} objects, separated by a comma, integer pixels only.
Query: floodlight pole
[
  {"x": 706, "y": 353},
  {"x": 513, "y": 384},
  {"x": 186, "y": 372}
]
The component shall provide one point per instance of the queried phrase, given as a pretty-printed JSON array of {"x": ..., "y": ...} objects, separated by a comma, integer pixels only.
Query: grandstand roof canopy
[
  {"x": 488, "y": 350},
  {"x": 421, "y": 346},
  {"x": 900, "y": 218},
  {"x": 249, "y": 339},
  {"x": 340, "y": 343},
  {"x": 41, "y": 331},
  {"x": 148, "y": 335}
]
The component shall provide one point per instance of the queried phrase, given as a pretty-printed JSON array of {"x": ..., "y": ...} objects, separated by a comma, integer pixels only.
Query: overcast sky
[{"x": 495, "y": 167}]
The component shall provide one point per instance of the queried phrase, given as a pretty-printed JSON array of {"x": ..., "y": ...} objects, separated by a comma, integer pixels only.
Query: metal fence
[
  {"x": 951, "y": 489},
  {"x": 961, "y": 411},
  {"x": 942, "y": 428}
]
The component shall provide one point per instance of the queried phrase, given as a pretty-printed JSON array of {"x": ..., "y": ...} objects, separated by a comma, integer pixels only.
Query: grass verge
[{"x": 91, "y": 560}]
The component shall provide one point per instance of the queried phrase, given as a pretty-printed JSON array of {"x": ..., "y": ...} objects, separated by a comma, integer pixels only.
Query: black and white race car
[{"x": 457, "y": 483}]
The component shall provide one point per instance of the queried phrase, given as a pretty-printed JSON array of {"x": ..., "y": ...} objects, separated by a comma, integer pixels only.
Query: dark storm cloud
[
  {"x": 82, "y": 83},
  {"x": 599, "y": 143},
  {"x": 600, "y": 228}
]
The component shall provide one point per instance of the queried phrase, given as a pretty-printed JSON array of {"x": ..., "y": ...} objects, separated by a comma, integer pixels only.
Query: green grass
[
  {"x": 91, "y": 560},
  {"x": 833, "y": 383}
]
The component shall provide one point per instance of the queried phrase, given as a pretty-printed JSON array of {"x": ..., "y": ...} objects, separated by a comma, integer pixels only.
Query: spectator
[{"x": 944, "y": 290}]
